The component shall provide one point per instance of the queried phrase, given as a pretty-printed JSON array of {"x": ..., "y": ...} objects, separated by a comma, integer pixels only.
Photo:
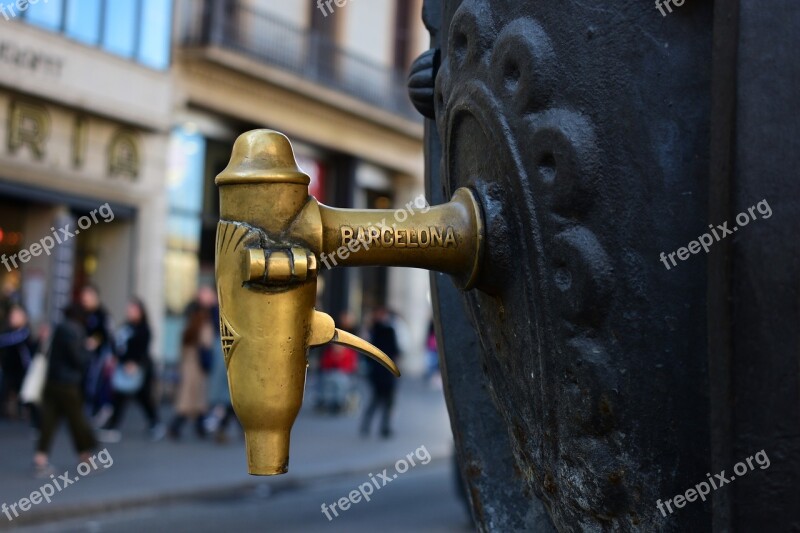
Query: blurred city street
[
  {"x": 119, "y": 115},
  {"x": 419, "y": 265},
  {"x": 195, "y": 485}
]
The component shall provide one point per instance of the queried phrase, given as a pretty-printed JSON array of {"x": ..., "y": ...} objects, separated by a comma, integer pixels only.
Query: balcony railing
[{"x": 315, "y": 57}]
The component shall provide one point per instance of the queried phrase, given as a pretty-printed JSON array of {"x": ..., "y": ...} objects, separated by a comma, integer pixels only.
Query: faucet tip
[
  {"x": 262, "y": 156},
  {"x": 267, "y": 452}
]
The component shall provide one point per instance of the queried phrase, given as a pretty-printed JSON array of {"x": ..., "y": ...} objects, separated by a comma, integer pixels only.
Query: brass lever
[
  {"x": 324, "y": 331},
  {"x": 272, "y": 239}
]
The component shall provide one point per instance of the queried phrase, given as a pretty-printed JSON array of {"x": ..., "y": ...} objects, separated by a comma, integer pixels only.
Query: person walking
[
  {"x": 382, "y": 383},
  {"x": 222, "y": 413},
  {"x": 338, "y": 365},
  {"x": 15, "y": 355},
  {"x": 70, "y": 355},
  {"x": 137, "y": 375},
  {"x": 219, "y": 396},
  {"x": 98, "y": 378},
  {"x": 433, "y": 375},
  {"x": 191, "y": 400}
]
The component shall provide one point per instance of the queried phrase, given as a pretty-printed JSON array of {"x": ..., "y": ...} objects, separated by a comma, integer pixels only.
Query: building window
[
  {"x": 155, "y": 33},
  {"x": 47, "y": 15},
  {"x": 139, "y": 30},
  {"x": 119, "y": 31},
  {"x": 83, "y": 21}
]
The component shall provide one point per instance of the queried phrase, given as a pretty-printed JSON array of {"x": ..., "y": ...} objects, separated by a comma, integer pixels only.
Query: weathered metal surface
[
  {"x": 753, "y": 278},
  {"x": 499, "y": 498},
  {"x": 584, "y": 130}
]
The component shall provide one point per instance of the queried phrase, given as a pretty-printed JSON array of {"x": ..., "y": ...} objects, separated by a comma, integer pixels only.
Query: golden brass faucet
[{"x": 271, "y": 238}]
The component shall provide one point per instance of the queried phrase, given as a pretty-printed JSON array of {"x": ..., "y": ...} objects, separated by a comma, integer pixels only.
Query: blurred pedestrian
[
  {"x": 221, "y": 414},
  {"x": 9, "y": 296},
  {"x": 15, "y": 356},
  {"x": 207, "y": 298},
  {"x": 98, "y": 378},
  {"x": 191, "y": 401},
  {"x": 338, "y": 365},
  {"x": 70, "y": 354},
  {"x": 39, "y": 348},
  {"x": 134, "y": 375},
  {"x": 219, "y": 395},
  {"x": 382, "y": 382},
  {"x": 432, "y": 374},
  {"x": 6, "y": 302}
]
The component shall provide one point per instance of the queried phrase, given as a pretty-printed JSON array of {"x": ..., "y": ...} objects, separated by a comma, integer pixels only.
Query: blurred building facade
[
  {"x": 332, "y": 79},
  {"x": 137, "y": 103},
  {"x": 85, "y": 103}
]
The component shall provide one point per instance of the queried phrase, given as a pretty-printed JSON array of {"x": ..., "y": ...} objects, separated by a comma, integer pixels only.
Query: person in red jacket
[{"x": 337, "y": 366}]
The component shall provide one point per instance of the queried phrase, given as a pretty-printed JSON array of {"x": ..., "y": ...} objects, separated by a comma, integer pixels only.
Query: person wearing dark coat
[
  {"x": 133, "y": 356},
  {"x": 70, "y": 354},
  {"x": 98, "y": 378},
  {"x": 382, "y": 382},
  {"x": 15, "y": 356}
]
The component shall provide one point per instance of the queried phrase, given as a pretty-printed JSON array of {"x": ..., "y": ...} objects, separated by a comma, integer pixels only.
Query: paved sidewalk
[{"x": 145, "y": 473}]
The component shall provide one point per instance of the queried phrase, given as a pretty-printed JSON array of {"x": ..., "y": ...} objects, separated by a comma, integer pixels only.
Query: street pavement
[
  {"x": 422, "y": 500},
  {"x": 144, "y": 475}
]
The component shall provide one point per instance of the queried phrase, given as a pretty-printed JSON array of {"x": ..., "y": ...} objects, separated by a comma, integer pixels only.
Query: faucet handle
[{"x": 324, "y": 330}]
